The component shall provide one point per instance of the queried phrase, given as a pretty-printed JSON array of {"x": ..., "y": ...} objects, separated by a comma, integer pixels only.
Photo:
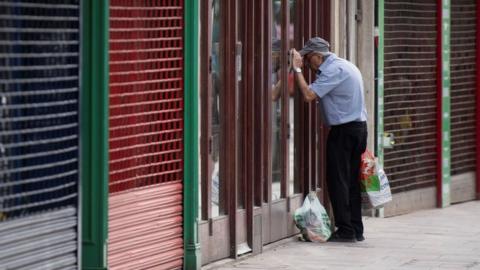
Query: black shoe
[
  {"x": 360, "y": 238},
  {"x": 337, "y": 238}
]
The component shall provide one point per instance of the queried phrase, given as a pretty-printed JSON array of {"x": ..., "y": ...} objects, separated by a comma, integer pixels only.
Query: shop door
[
  {"x": 220, "y": 77},
  {"x": 297, "y": 137},
  {"x": 295, "y": 129},
  {"x": 275, "y": 200}
]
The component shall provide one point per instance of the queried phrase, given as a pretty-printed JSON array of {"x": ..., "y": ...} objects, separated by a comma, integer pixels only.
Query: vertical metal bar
[
  {"x": 206, "y": 111},
  {"x": 223, "y": 195},
  {"x": 439, "y": 103},
  {"x": 259, "y": 129},
  {"x": 302, "y": 149},
  {"x": 248, "y": 149},
  {"x": 478, "y": 101},
  {"x": 284, "y": 98},
  {"x": 311, "y": 106},
  {"x": 94, "y": 133},
  {"x": 190, "y": 201},
  {"x": 443, "y": 103},
  {"x": 268, "y": 101},
  {"x": 307, "y": 153},
  {"x": 299, "y": 103},
  {"x": 230, "y": 35},
  {"x": 314, "y": 127}
]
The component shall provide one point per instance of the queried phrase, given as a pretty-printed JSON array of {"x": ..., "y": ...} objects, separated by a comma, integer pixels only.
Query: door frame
[{"x": 219, "y": 233}]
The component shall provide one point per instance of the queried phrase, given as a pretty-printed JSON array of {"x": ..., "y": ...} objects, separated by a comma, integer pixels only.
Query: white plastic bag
[
  {"x": 312, "y": 220},
  {"x": 374, "y": 182}
]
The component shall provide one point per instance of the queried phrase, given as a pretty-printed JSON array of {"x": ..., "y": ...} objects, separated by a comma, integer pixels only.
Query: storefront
[{"x": 261, "y": 144}]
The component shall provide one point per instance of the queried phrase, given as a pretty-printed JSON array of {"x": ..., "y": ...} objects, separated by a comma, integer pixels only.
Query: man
[{"x": 339, "y": 86}]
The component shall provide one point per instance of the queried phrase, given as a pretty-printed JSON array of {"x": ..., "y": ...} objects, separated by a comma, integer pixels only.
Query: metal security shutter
[
  {"x": 463, "y": 86},
  {"x": 411, "y": 93},
  {"x": 146, "y": 134},
  {"x": 39, "y": 77}
]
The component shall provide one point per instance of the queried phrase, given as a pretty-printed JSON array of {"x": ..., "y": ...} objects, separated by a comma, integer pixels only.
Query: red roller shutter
[
  {"x": 411, "y": 93},
  {"x": 463, "y": 85},
  {"x": 146, "y": 134}
]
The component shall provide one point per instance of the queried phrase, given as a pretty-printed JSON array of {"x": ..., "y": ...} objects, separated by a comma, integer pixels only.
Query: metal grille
[
  {"x": 146, "y": 134},
  {"x": 146, "y": 93},
  {"x": 39, "y": 75},
  {"x": 463, "y": 86},
  {"x": 411, "y": 93}
]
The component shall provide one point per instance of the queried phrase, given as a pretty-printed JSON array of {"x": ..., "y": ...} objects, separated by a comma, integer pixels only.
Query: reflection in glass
[
  {"x": 241, "y": 180},
  {"x": 291, "y": 105},
  {"x": 276, "y": 100},
  {"x": 216, "y": 85}
]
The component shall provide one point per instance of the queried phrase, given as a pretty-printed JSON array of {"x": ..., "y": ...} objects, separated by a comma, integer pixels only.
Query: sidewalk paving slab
[{"x": 435, "y": 239}]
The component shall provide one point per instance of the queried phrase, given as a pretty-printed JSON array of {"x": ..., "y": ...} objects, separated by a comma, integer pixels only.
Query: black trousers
[{"x": 345, "y": 145}]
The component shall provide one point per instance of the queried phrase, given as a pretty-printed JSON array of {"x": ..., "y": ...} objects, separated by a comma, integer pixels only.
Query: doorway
[{"x": 260, "y": 150}]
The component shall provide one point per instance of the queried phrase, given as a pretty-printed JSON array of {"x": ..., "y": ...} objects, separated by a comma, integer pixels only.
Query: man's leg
[
  {"x": 338, "y": 179},
  {"x": 355, "y": 195}
]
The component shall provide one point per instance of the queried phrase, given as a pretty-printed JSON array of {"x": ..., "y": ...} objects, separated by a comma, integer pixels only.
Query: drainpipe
[
  {"x": 94, "y": 133},
  {"x": 191, "y": 154},
  {"x": 443, "y": 103},
  {"x": 379, "y": 128}
]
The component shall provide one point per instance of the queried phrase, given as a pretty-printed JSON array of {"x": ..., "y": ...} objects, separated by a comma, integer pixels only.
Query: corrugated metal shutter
[
  {"x": 463, "y": 86},
  {"x": 146, "y": 134},
  {"x": 39, "y": 76},
  {"x": 411, "y": 93}
]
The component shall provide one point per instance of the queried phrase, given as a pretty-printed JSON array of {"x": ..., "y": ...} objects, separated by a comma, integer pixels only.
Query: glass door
[
  {"x": 277, "y": 65},
  {"x": 214, "y": 180}
]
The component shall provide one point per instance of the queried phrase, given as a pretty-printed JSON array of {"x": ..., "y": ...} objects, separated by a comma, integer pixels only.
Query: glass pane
[
  {"x": 292, "y": 182},
  {"x": 241, "y": 184},
  {"x": 217, "y": 183},
  {"x": 276, "y": 99}
]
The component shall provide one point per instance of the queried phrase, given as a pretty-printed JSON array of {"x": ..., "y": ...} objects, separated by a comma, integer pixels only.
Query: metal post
[
  {"x": 191, "y": 198},
  {"x": 443, "y": 102},
  {"x": 94, "y": 133},
  {"x": 380, "y": 57}
]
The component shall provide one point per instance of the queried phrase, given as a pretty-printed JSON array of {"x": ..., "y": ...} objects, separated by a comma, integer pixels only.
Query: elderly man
[{"x": 339, "y": 86}]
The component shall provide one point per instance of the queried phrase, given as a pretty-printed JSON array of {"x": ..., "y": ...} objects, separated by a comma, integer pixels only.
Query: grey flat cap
[{"x": 315, "y": 44}]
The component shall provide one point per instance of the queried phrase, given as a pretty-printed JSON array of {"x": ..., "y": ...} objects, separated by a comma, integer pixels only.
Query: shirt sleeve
[{"x": 326, "y": 82}]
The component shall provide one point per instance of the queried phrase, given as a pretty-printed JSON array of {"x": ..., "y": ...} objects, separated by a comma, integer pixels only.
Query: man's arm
[
  {"x": 297, "y": 62},
  {"x": 308, "y": 94},
  {"x": 276, "y": 90}
]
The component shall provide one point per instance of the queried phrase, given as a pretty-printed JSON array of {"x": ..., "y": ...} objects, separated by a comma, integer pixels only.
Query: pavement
[{"x": 440, "y": 239}]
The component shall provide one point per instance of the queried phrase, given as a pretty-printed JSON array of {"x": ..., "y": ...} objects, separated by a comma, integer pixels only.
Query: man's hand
[{"x": 297, "y": 61}]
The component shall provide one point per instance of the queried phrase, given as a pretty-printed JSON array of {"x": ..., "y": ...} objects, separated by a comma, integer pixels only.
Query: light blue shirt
[{"x": 339, "y": 85}]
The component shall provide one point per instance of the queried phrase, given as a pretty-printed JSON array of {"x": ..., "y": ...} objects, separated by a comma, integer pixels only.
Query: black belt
[{"x": 353, "y": 124}]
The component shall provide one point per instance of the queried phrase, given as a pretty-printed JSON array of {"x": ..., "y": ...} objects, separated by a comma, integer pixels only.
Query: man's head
[{"x": 314, "y": 52}]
